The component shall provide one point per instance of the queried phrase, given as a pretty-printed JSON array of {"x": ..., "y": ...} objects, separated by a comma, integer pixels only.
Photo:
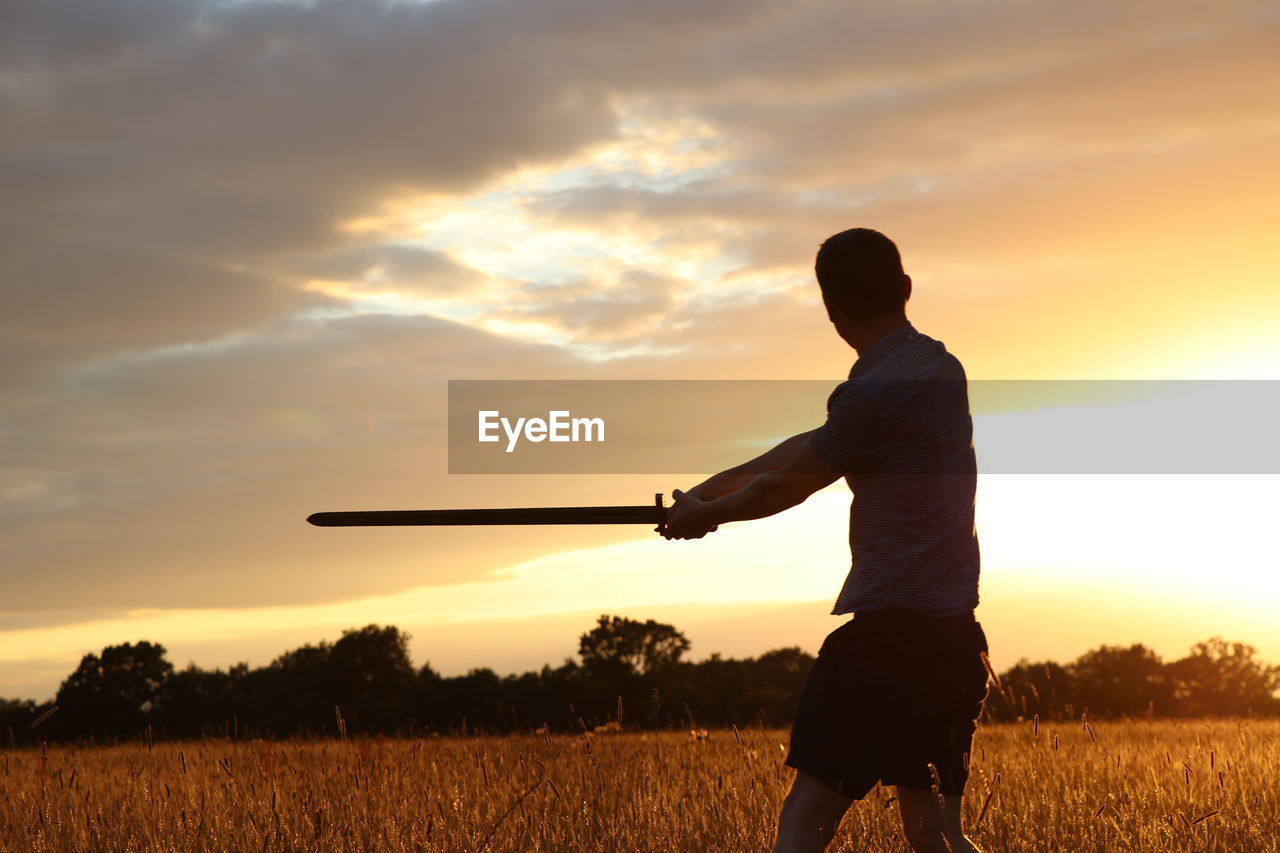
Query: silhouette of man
[{"x": 898, "y": 687}]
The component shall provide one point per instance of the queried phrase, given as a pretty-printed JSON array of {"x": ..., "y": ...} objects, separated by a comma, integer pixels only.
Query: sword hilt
[{"x": 662, "y": 513}]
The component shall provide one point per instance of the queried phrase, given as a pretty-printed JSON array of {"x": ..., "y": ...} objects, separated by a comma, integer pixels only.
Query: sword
[{"x": 655, "y": 514}]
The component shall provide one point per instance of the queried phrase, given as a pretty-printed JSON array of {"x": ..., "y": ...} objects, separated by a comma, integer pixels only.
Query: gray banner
[{"x": 704, "y": 426}]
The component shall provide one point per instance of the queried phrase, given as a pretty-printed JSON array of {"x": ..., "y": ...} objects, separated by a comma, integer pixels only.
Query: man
[{"x": 899, "y": 686}]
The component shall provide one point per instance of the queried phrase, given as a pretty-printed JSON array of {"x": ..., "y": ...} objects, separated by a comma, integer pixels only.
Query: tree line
[{"x": 630, "y": 675}]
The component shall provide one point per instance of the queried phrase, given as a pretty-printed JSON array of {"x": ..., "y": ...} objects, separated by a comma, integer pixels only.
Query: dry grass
[{"x": 1148, "y": 786}]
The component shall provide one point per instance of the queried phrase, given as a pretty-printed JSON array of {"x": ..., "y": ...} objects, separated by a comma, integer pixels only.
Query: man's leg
[
  {"x": 951, "y": 820},
  {"x": 810, "y": 815},
  {"x": 930, "y": 826}
]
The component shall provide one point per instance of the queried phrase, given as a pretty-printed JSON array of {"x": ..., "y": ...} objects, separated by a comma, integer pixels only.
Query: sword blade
[{"x": 519, "y": 515}]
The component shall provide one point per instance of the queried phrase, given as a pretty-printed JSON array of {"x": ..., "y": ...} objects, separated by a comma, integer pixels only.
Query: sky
[{"x": 245, "y": 245}]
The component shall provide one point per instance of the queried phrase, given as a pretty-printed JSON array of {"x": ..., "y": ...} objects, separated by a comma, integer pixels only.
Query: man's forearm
[
  {"x": 766, "y": 494},
  {"x": 733, "y": 479}
]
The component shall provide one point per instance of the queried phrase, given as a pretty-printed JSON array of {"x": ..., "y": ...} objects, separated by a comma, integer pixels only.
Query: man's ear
[
  {"x": 906, "y": 287},
  {"x": 834, "y": 314}
]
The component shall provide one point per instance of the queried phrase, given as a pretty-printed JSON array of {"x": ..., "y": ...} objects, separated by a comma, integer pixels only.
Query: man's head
[{"x": 860, "y": 274}]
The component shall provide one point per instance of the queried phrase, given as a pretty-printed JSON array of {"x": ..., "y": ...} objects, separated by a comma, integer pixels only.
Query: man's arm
[
  {"x": 767, "y": 493},
  {"x": 738, "y": 476}
]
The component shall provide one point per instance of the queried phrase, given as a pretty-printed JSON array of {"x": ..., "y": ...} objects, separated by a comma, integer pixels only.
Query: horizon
[{"x": 573, "y": 657}]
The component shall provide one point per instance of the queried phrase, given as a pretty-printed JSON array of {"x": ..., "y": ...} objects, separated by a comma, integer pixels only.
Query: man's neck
[{"x": 864, "y": 335}]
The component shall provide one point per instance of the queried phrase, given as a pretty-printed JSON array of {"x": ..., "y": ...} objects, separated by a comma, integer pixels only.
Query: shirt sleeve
[{"x": 855, "y": 437}]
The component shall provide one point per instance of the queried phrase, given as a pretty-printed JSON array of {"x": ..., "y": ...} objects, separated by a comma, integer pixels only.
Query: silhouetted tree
[
  {"x": 631, "y": 671},
  {"x": 369, "y": 675},
  {"x": 22, "y": 720},
  {"x": 621, "y": 645},
  {"x": 114, "y": 693},
  {"x": 1045, "y": 689},
  {"x": 475, "y": 697},
  {"x": 199, "y": 702},
  {"x": 1117, "y": 681},
  {"x": 559, "y": 687},
  {"x": 716, "y": 691},
  {"x": 777, "y": 677},
  {"x": 623, "y": 662},
  {"x": 1224, "y": 678},
  {"x": 427, "y": 709},
  {"x": 293, "y": 693}
]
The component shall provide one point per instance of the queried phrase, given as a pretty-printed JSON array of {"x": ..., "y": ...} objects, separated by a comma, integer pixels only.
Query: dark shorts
[{"x": 889, "y": 695}]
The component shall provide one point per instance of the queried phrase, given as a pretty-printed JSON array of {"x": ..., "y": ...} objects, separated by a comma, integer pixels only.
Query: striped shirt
[{"x": 899, "y": 429}]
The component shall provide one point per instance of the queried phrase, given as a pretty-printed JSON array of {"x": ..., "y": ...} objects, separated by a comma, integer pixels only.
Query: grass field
[{"x": 1158, "y": 786}]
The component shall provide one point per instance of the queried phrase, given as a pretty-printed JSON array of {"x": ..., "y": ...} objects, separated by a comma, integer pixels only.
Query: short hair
[{"x": 860, "y": 271}]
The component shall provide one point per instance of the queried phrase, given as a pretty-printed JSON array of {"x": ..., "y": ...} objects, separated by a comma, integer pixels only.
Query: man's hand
[{"x": 687, "y": 518}]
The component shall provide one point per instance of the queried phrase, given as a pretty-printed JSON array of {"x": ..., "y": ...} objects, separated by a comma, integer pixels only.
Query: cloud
[
  {"x": 619, "y": 312},
  {"x": 210, "y": 122},
  {"x": 72, "y": 297},
  {"x": 183, "y": 475},
  {"x": 391, "y": 268},
  {"x": 242, "y": 135},
  {"x": 1116, "y": 90}
]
